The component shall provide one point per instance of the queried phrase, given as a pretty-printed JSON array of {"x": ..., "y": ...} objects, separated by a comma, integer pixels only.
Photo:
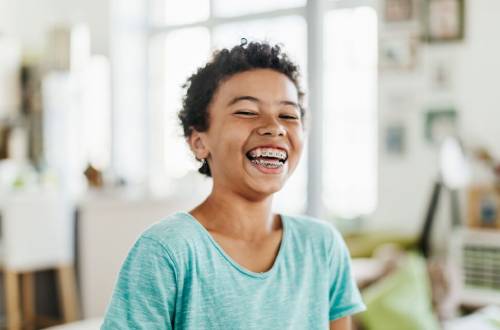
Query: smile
[{"x": 268, "y": 160}]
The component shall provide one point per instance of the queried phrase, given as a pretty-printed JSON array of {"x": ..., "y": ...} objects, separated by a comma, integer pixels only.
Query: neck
[{"x": 232, "y": 215}]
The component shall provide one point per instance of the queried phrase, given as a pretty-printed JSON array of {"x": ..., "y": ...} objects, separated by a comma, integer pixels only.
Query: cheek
[
  {"x": 230, "y": 142},
  {"x": 297, "y": 139}
]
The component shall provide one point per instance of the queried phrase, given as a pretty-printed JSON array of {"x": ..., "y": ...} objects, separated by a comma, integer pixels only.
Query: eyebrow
[{"x": 256, "y": 100}]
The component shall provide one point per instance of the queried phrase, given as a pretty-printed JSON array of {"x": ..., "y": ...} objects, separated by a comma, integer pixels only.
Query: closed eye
[
  {"x": 245, "y": 113},
  {"x": 289, "y": 117}
]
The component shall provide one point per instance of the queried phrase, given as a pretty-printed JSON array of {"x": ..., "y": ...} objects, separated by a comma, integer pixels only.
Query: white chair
[{"x": 37, "y": 234}]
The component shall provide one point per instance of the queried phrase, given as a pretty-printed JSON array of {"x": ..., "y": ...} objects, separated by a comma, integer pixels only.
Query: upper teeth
[{"x": 268, "y": 152}]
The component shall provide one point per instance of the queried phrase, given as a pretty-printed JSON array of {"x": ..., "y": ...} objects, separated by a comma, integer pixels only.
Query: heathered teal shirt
[{"x": 177, "y": 276}]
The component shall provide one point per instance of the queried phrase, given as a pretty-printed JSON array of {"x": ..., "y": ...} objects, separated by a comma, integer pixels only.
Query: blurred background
[{"x": 403, "y": 145}]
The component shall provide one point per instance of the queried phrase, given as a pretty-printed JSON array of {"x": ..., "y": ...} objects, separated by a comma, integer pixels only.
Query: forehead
[{"x": 265, "y": 84}]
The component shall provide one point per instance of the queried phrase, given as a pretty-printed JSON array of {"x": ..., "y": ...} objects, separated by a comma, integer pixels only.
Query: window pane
[
  {"x": 178, "y": 12},
  {"x": 291, "y": 32},
  {"x": 235, "y": 8},
  {"x": 173, "y": 59},
  {"x": 96, "y": 119},
  {"x": 128, "y": 90},
  {"x": 350, "y": 132}
]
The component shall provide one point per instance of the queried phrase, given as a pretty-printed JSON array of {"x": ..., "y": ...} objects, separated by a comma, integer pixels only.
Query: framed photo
[
  {"x": 483, "y": 207},
  {"x": 443, "y": 20},
  {"x": 398, "y": 52},
  {"x": 395, "y": 139},
  {"x": 439, "y": 124},
  {"x": 441, "y": 74},
  {"x": 399, "y": 10}
]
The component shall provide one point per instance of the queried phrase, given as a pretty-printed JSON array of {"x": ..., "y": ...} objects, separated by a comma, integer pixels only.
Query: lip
[
  {"x": 276, "y": 146},
  {"x": 264, "y": 170}
]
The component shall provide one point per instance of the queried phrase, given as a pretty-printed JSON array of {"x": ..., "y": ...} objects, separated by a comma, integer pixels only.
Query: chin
[
  {"x": 265, "y": 186},
  {"x": 268, "y": 188}
]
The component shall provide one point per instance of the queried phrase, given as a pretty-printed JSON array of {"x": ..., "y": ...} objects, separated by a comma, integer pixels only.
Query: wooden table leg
[
  {"x": 12, "y": 306},
  {"x": 68, "y": 296},
  {"x": 28, "y": 300}
]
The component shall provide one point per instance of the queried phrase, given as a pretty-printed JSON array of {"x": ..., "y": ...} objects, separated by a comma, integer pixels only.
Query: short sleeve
[
  {"x": 345, "y": 298},
  {"x": 144, "y": 294}
]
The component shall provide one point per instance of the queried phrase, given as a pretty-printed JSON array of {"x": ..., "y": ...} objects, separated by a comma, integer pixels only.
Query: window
[
  {"x": 180, "y": 38},
  {"x": 128, "y": 58},
  {"x": 179, "y": 45},
  {"x": 350, "y": 116},
  {"x": 173, "y": 60},
  {"x": 170, "y": 12},
  {"x": 291, "y": 32},
  {"x": 227, "y": 8},
  {"x": 96, "y": 117}
]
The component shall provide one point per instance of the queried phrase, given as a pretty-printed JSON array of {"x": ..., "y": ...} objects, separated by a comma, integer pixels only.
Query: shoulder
[
  {"x": 321, "y": 233},
  {"x": 176, "y": 234},
  {"x": 308, "y": 226},
  {"x": 174, "y": 227}
]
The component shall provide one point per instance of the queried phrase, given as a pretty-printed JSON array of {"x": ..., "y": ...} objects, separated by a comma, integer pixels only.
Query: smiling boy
[{"x": 230, "y": 263}]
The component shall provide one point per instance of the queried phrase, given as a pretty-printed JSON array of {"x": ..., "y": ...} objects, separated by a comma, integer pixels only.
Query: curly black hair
[{"x": 202, "y": 85}]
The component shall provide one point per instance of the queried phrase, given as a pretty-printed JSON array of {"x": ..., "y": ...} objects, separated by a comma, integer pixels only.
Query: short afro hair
[{"x": 202, "y": 85}]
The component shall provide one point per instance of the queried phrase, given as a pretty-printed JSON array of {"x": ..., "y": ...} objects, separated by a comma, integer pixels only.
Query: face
[{"x": 254, "y": 121}]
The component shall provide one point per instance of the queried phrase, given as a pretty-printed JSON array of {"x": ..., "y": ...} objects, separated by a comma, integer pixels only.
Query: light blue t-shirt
[{"x": 177, "y": 276}]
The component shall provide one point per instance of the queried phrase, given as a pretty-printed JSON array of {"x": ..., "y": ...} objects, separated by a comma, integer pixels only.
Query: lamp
[{"x": 453, "y": 174}]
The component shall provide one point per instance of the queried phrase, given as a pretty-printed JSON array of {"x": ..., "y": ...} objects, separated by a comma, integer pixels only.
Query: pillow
[{"x": 401, "y": 300}]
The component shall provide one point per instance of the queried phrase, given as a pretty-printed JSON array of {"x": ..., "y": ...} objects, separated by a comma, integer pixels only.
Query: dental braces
[{"x": 267, "y": 163}]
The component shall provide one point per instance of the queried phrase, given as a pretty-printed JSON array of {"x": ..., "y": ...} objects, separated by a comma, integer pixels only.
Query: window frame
[{"x": 313, "y": 12}]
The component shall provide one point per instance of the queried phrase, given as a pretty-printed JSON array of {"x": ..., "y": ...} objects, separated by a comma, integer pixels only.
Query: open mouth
[{"x": 267, "y": 158}]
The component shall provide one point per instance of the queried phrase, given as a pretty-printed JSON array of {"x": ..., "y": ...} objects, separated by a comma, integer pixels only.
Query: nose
[{"x": 272, "y": 127}]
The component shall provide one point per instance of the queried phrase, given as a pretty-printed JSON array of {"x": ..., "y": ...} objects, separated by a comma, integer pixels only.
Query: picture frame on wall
[
  {"x": 399, "y": 11},
  {"x": 395, "y": 139},
  {"x": 441, "y": 74},
  {"x": 443, "y": 20},
  {"x": 398, "y": 52},
  {"x": 439, "y": 124}
]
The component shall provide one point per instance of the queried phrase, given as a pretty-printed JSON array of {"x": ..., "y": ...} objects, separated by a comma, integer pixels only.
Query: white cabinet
[{"x": 108, "y": 227}]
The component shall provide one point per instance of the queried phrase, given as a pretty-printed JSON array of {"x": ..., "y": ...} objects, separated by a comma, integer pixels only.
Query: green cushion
[{"x": 402, "y": 300}]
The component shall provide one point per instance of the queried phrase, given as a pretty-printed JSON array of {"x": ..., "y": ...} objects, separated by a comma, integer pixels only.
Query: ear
[{"x": 198, "y": 144}]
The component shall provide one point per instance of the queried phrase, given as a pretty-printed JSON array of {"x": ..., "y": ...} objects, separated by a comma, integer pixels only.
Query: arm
[
  {"x": 144, "y": 295},
  {"x": 341, "y": 324},
  {"x": 345, "y": 299}
]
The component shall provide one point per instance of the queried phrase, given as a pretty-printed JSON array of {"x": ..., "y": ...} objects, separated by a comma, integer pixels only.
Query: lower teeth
[{"x": 267, "y": 164}]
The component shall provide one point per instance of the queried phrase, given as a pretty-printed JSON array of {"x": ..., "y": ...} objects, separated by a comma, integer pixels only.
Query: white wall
[
  {"x": 478, "y": 75},
  {"x": 405, "y": 183},
  {"x": 29, "y": 20},
  {"x": 7, "y": 17}
]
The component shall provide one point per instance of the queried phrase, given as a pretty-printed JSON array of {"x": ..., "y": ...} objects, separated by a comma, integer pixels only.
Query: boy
[{"x": 230, "y": 263}]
